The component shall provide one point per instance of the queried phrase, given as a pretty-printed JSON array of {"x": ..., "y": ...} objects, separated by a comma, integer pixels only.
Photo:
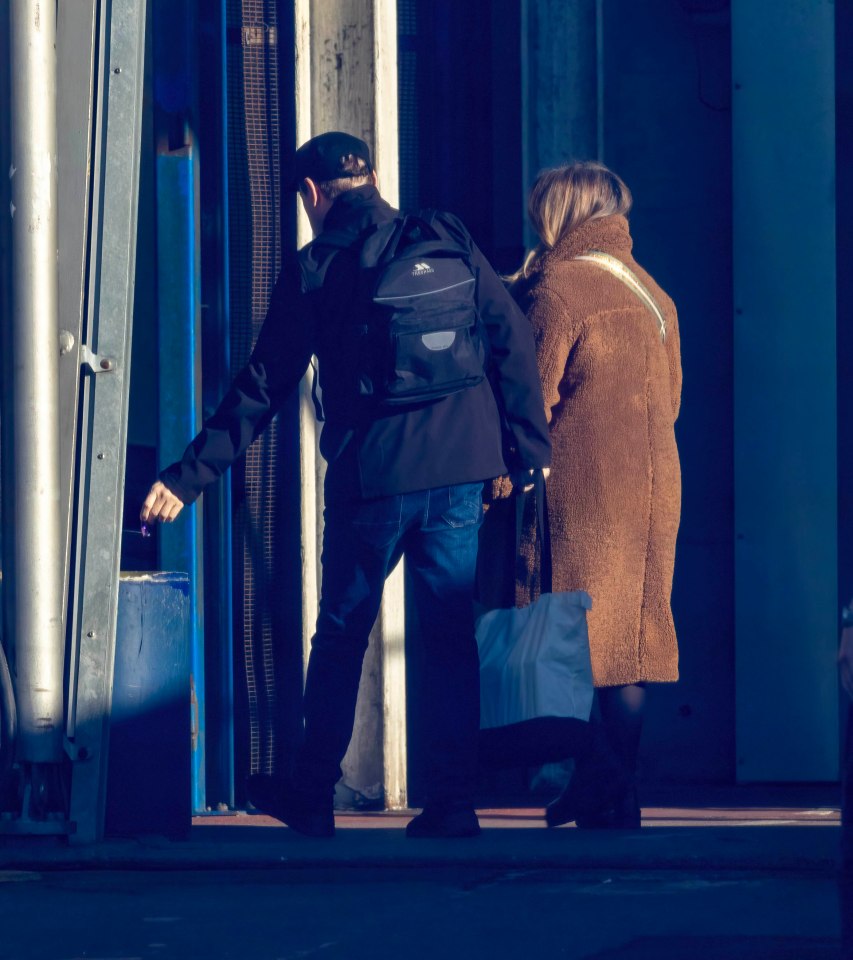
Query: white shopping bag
[{"x": 534, "y": 661}]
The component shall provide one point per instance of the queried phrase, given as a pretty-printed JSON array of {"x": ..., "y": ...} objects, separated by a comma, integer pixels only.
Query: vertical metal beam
[
  {"x": 785, "y": 390},
  {"x": 847, "y": 797},
  {"x": 392, "y": 618},
  {"x": 561, "y": 86},
  {"x": 6, "y": 506},
  {"x": 179, "y": 318},
  {"x": 104, "y": 403},
  {"x": 599, "y": 79},
  {"x": 311, "y": 463},
  {"x": 76, "y": 26},
  {"x": 35, "y": 383},
  {"x": 346, "y": 79},
  {"x": 844, "y": 340},
  {"x": 178, "y": 323},
  {"x": 386, "y": 150},
  {"x": 216, "y": 360}
]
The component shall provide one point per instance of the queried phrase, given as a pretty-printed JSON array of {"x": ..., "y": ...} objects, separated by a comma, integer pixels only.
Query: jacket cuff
[{"x": 184, "y": 493}]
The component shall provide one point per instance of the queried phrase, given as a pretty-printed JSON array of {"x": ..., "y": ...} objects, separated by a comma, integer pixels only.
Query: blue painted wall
[{"x": 667, "y": 132}]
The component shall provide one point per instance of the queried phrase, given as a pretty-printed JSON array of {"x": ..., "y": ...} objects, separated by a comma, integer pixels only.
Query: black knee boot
[{"x": 598, "y": 784}]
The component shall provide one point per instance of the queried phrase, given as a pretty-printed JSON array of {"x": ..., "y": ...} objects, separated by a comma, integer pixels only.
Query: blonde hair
[{"x": 565, "y": 197}]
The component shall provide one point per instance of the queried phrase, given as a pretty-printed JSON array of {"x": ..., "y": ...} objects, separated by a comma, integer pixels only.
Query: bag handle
[
  {"x": 543, "y": 528},
  {"x": 619, "y": 270}
]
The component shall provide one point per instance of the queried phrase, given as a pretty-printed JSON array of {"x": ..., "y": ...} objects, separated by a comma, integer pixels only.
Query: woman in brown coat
[{"x": 608, "y": 351}]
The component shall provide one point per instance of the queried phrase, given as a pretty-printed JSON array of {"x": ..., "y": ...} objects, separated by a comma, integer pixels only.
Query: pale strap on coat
[{"x": 615, "y": 266}]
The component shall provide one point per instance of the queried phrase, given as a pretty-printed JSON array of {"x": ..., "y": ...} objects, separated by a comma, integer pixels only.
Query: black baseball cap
[{"x": 321, "y": 158}]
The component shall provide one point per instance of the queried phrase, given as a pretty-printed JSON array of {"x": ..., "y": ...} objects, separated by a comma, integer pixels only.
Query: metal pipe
[
  {"x": 35, "y": 382},
  {"x": 222, "y": 505}
]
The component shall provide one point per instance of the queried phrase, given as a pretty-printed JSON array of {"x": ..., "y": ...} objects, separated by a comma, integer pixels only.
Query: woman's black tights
[{"x": 621, "y": 711}]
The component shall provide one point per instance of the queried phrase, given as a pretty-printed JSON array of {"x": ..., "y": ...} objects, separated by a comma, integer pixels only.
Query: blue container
[{"x": 148, "y": 778}]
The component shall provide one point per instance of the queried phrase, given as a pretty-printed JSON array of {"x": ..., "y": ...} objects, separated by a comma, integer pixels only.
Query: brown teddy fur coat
[{"x": 612, "y": 392}]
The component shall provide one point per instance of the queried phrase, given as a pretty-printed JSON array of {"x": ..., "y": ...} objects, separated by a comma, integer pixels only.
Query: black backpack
[{"x": 406, "y": 328}]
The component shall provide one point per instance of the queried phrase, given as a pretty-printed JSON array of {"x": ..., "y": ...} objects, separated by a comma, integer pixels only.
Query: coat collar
[
  {"x": 355, "y": 210},
  {"x": 608, "y": 234}
]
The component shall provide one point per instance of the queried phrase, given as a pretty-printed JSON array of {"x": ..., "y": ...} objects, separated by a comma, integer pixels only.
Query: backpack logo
[{"x": 421, "y": 269}]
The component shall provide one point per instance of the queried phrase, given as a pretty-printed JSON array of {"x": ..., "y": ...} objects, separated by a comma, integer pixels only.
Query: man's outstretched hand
[{"x": 160, "y": 504}]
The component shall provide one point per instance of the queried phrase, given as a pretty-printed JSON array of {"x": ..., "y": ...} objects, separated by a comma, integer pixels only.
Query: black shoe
[
  {"x": 444, "y": 820},
  {"x": 311, "y": 816},
  {"x": 624, "y": 814},
  {"x": 599, "y": 782}
]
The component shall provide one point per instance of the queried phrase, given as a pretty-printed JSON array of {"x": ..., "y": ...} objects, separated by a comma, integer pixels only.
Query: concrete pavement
[
  {"x": 807, "y": 843},
  {"x": 731, "y": 880}
]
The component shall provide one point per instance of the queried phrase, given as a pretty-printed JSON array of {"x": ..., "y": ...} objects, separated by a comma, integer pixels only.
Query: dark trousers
[{"x": 436, "y": 530}]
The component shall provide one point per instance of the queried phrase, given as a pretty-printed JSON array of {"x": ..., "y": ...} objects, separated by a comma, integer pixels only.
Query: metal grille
[
  {"x": 255, "y": 244},
  {"x": 407, "y": 94}
]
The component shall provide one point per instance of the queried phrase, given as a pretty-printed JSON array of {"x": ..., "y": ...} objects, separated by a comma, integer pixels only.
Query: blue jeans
[{"x": 363, "y": 541}]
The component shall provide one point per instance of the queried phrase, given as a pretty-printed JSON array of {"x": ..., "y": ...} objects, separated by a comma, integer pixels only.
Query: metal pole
[
  {"x": 35, "y": 382},
  {"x": 107, "y": 332},
  {"x": 847, "y": 801}
]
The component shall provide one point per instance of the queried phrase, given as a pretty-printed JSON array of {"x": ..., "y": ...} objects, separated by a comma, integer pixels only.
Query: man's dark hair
[{"x": 352, "y": 164}]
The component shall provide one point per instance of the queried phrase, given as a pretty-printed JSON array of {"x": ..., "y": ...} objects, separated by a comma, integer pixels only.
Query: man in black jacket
[{"x": 406, "y": 479}]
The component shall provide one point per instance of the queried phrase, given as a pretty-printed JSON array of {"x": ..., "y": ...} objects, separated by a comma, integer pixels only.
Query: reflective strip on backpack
[{"x": 427, "y": 293}]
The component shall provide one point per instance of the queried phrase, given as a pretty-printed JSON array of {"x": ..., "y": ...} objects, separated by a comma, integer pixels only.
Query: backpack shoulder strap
[
  {"x": 314, "y": 259},
  {"x": 430, "y": 230},
  {"x": 381, "y": 242},
  {"x": 448, "y": 226}
]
